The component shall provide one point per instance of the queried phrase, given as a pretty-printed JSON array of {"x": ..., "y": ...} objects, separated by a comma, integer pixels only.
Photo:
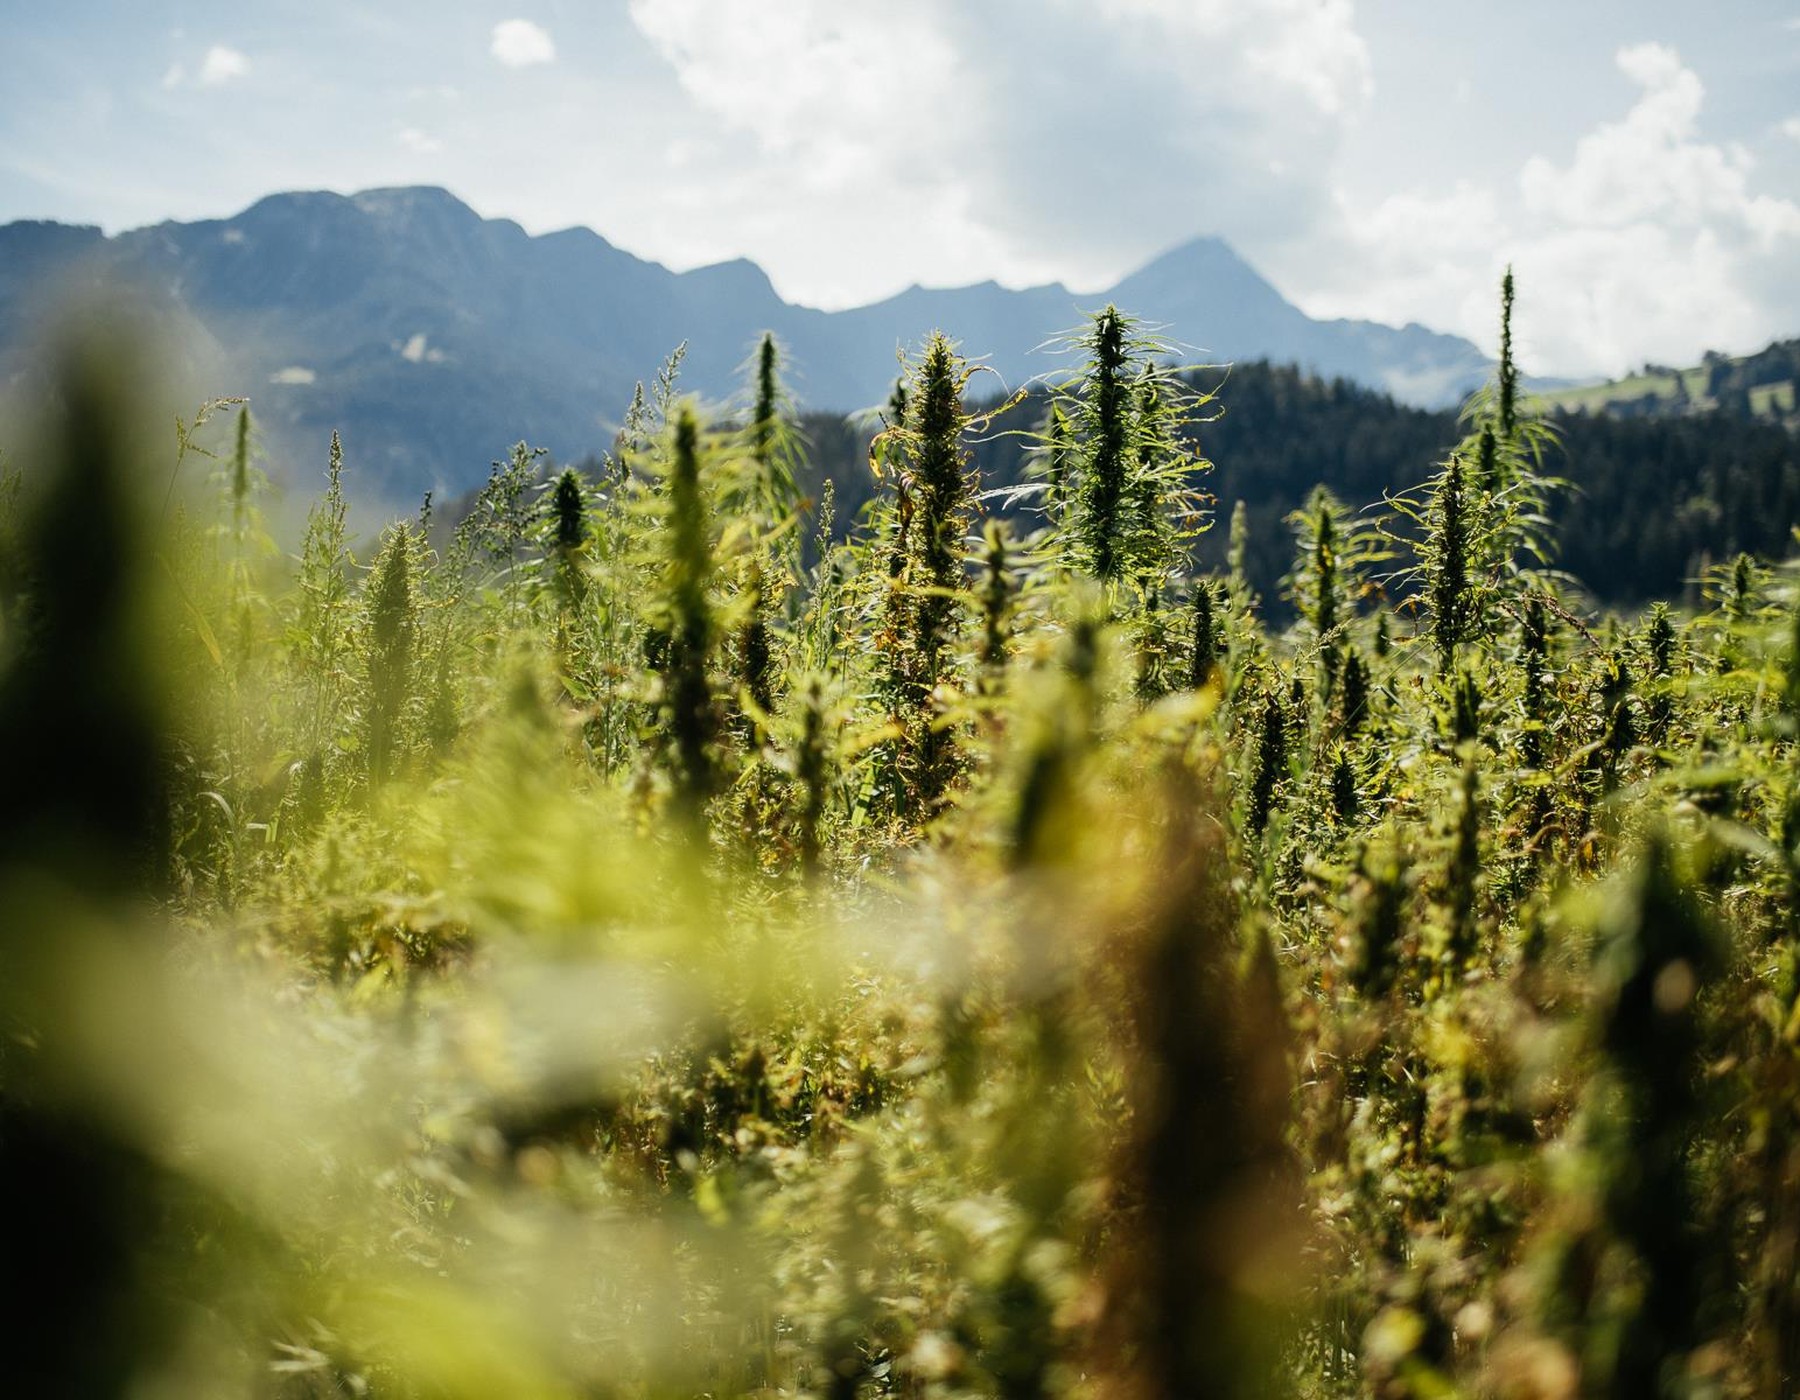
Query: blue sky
[{"x": 1639, "y": 163}]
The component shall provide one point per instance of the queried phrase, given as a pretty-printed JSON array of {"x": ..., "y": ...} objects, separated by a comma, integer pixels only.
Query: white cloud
[
  {"x": 293, "y": 374},
  {"x": 222, "y": 65},
  {"x": 811, "y": 73},
  {"x": 1649, "y": 242},
  {"x": 1411, "y": 256},
  {"x": 1034, "y": 138},
  {"x": 1312, "y": 45},
  {"x": 1656, "y": 66},
  {"x": 1610, "y": 298},
  {"x": 518, "y": 43},
  {"x": 219, "y": 65},
  {"x": 419, "y": 142},
  {"x": 1651, "y": 164},
  {"x": 1791, "y": 128},
  {"x": 1309, "y": 47}
]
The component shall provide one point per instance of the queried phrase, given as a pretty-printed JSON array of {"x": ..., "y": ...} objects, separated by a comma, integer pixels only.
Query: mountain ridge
[{"x": 432, "y": 335}]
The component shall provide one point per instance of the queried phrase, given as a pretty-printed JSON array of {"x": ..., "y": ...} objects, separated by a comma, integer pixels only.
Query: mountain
[{"x": 432, "y": 337}]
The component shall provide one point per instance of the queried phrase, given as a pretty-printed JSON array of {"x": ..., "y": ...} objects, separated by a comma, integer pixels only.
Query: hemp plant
[
  {"x": 1205, "y": 657},
  {"x": 390, "y": 647},
  {"x": 686, "y": 705},
  {"x": 937, "y": 495},
  {"x": 1133, "y": 505}
]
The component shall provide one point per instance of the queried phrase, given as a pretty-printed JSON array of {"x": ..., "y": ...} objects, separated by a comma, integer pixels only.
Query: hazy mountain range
[{"x": 433, "y": 337}]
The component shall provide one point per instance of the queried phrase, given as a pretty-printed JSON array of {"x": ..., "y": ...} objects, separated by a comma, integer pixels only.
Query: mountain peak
[
  {"x": 736, "y": 283},
  {"x": 400, "y": 204},
  {"x": 292, "y": 203},
  {"x": 1207, "y": 257},
  {"x": 731, "y": 267},
  {"x": 411, "y": 199},
  {"x": 1201, "y": 245}
]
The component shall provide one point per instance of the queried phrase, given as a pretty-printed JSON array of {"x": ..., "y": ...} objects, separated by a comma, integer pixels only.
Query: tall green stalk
[
  {"x": 391, "y": 626},
  {"x": 688, "y": 708}
]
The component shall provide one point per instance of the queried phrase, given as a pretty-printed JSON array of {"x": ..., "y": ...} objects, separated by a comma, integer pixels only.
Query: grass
[
  {"x": 1666, "y": 390},
  {"x": 1768, "y": 400},
  {"x": 1596, "y": 398}
]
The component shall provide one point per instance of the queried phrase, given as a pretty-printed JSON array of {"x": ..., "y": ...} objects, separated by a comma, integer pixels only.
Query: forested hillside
[{"x": 1649, "y": 502}]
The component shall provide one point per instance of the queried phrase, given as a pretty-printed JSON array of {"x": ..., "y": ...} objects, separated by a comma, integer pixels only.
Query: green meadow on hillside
[{"x": 1760, "y": 386}]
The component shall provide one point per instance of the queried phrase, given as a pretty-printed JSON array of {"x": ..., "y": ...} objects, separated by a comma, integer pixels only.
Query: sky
[{"x": 1637, "y": 163}]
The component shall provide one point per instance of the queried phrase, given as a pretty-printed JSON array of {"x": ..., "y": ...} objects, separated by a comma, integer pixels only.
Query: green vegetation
[
  {"x": 1760, "y": 386},
  {"x": 1722, "y": 484},
  {"x": 1664, "y": 387},
  {"x": 611, "y": 949}
]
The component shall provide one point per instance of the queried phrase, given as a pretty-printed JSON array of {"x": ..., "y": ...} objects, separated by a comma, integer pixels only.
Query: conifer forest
[{"x": 700, "y": 925}]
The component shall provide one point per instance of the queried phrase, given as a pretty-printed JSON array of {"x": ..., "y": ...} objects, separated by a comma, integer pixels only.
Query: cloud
[
  {"x": 1411, "y": 256},
  {"x": 1035, "y": 138},
  {"x": 222, "y": 65},
  {"x": 518, "y": 43},
  {"x": 1646, "y": 242},
  {"x": 1651, "y": 164},
  {"x": 219, "y": 65},
  {"x": 419, "y": 142},
  {"x": 1791, "y": 128}
]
